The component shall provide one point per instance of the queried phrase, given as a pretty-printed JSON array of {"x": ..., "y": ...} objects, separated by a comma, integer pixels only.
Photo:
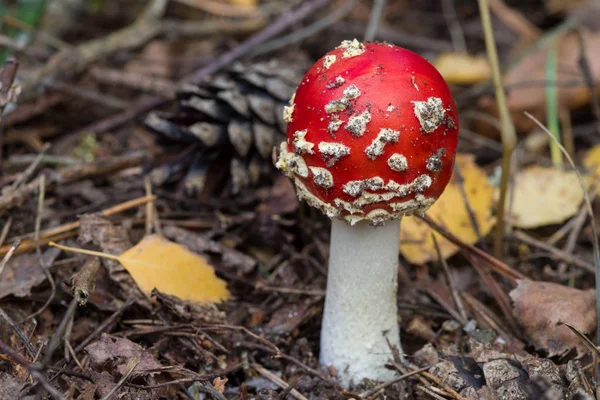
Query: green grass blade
[{"x": 552, "y": 103}]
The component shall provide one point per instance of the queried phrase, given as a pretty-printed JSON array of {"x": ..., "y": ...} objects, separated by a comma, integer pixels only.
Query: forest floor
[{"x": 100, "y": 150}]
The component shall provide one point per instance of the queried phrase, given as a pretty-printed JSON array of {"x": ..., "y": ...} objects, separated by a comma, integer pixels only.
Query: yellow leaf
[
  {"x": 592, "y": 158},
  {"x": 545, "y": 196},
  {"x": 463, "y": 69},
  {"x": 247, "y": 3},
  {"x": 172, "y": 269},
  {"x": 416, "y": 244}
]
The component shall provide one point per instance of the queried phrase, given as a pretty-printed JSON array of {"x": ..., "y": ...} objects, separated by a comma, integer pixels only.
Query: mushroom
[{"x": 371, "y": 136}]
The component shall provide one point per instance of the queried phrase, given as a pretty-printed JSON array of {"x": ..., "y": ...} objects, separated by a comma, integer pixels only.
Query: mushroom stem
[{"x": 360, "y": 305}]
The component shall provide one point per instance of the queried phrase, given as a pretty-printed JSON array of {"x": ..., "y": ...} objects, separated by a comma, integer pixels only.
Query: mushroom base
[{"x": 360, "y": 304}]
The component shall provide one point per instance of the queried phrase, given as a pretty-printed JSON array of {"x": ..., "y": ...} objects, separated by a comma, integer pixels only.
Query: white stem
[{"x": 360, "y": 304}]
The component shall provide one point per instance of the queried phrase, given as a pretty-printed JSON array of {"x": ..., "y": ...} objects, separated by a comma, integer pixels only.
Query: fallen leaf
[
  {"x": 592, "y": 159},
  {"x": 10, "y": 386},
  {"x": 119, "y": 351},
  {"x": 23, "y": 272},
  {"x": 247, "y": 3},
  {"x": 172, "y": 269},
  {"x": 89, "y": 391},
  {"x": 280, "y": 199},
  {"x": 562, "y": 6},
  {"x": 416, "y": 244},
  {"x": 219, "y": 384},
  {"x": 545, "y": 196},
  {"x": 540, "y": 306},
  {"x": 463, "y": 69},
  {"x": 523, "y": 92}
]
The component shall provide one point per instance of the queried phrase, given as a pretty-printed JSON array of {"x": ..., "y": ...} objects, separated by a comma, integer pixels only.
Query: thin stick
[
  {"x": 63, "y": 229},
  {"x": 149, "y": 206},
  {"x": 509, "y": 136},
  {"x": 269, "y": 32},
  {"x": 131, "y": 364},
  {"x": 580, "y": 219},
  {"x": 590, "y": 210},
  {"x": 5, "y": 230},
  {"x": 567, "y": 130},
  {"x": 284, "y": 290},
  {"x": 7, "y": 77},
  {"x": 563, "y": 255},
  {"x": 9, "y": 255},
  {"x": 38, "y": 249},
  {"x": 383, "y": 385},
  {"x": 104, "y": 325},
  {"x": 456, "y": 31},
  {"x": 303, "y": 33},
  {"x": 31, "y": 350},
  {"x": 430, "y": 392},
  {"x": 586, "y": 70},
  {"x": 84, "y": 251},
  {"x": 33, "y": 369},
  {"x": 31, "y": 168},
  {"x": 374, "y": 18},
  {"x": 470, "y": 212},
  {"x": 455, "y": 296},
  {"x": 60, "y": 332},
  {"x": 194, "y": 378},
  {"x": 497, "y": 265},
  {"x": 277, "y": 380}
]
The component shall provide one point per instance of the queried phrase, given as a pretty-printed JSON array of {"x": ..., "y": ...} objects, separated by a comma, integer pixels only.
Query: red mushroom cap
[{"x": 372, "y": 133}]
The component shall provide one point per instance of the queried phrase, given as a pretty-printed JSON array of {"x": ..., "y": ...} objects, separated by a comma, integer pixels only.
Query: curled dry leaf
[
  {"x": 23, "y": 272},
  {"x": 545, "y": 196},
  {"x": 119, "y": 351},
  {"x": 463, "y": 69},
  {"x": 522, "y": 80},
  {"x": 451, "y": 212},
  {"x": 540, "y": 306}
]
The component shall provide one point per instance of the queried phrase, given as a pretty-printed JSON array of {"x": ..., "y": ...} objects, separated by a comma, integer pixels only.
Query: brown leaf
[
  {"x": 523, "y": 94},
  {"x": 190, "y": 310},
  {"x": 113, "y": 240},
  {"x": 88, "y": 393},
  {"x": 539, "y": 306},
  {"x": 119, "y": 351},
  {"x": 281, "y": 199},
  {"x": 23, "y": 272},
  {"x": 10, "y": 386},
  {"x": 230, "y": 258}
]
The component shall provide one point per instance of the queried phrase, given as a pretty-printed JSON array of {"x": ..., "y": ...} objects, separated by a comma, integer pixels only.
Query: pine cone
[
  {"x": 487, "y": 372},
  {"x": 233, "y": 118}
]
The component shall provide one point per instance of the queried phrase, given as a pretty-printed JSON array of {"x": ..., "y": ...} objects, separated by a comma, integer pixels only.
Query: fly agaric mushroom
[{"x": 371, "y": 136}]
